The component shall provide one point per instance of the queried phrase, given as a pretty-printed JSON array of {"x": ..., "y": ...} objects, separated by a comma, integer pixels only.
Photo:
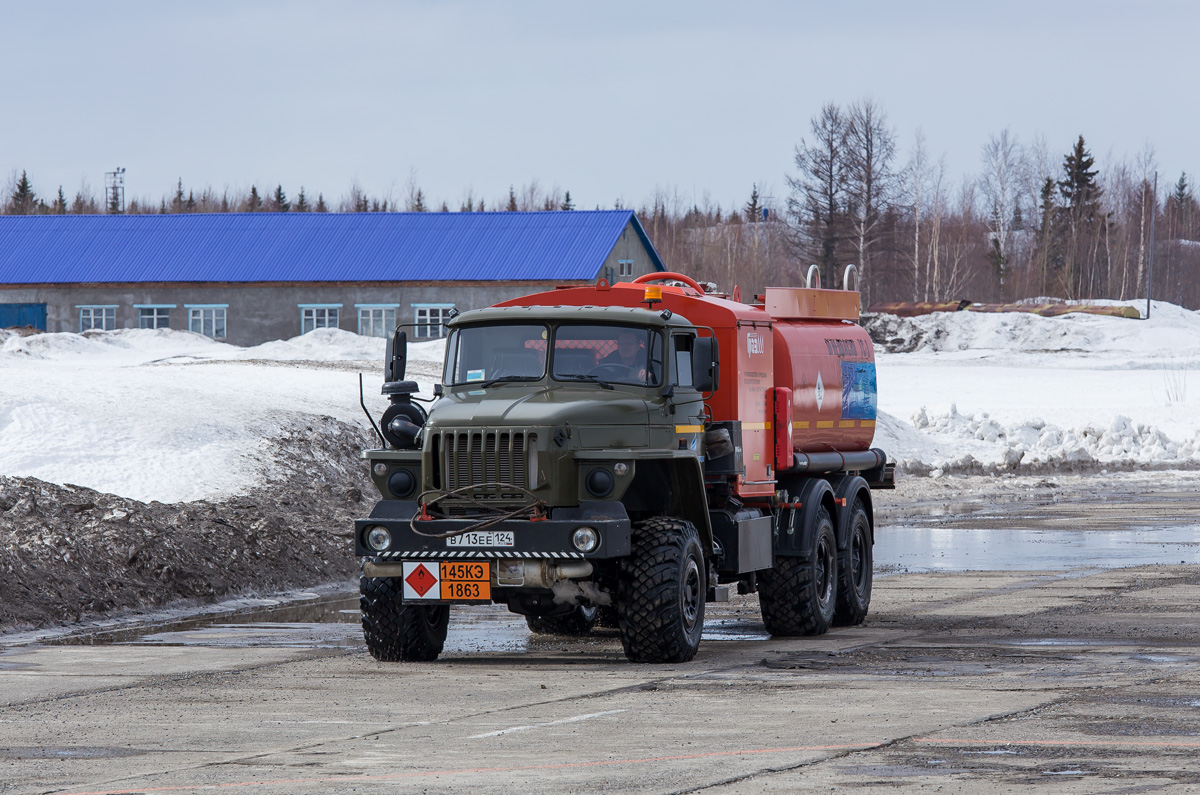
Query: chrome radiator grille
[{"x": 469, "y": 458}]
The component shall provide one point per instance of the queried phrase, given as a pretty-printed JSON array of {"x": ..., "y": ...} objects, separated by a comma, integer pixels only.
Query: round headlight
[
  {"x": 401, "y": 483},
  {"x": 600, "y": 482},
  {"x": 379, "y": 538},
  {"x": 380, "y": 469},
  {"x": 585, "y": 539}
]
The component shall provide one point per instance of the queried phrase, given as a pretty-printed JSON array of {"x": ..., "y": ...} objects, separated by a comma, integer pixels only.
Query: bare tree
[
  {"x": 870, "y": 147},
  {"x": 818, "y": 191},
  {"x": 1000, "y": 184}
]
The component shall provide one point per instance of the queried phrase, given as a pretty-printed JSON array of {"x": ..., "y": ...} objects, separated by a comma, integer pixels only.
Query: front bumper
[{"x": 550, "y": 538}]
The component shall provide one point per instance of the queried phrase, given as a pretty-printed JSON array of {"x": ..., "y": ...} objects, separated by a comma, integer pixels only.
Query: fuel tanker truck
[{"x": 627, "y": 453}]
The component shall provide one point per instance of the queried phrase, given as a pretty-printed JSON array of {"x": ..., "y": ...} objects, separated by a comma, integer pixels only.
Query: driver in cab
[{"x": 630, "y": 354}]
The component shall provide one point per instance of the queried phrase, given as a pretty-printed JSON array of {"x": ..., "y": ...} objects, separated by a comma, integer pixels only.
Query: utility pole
[{"x": 1150, "y": 269}]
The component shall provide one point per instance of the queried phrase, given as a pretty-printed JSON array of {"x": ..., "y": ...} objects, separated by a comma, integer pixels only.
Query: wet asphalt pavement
[{"x": 1005, "y": 648}]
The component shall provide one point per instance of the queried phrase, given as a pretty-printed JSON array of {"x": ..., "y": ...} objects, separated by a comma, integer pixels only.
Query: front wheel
[
  {"x": 661, "y": 593},
  {"x": 798, "y": 595},
  {"x": 396, "y": 632}
]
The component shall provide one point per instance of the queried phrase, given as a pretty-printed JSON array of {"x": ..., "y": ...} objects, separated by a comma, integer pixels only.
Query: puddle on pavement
[
  {"x": 961, "y": 549},
  {"x": 1004, "y": 537}
]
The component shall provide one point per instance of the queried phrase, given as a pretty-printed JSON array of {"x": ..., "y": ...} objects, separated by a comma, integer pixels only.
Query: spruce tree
[
  {"x": 177, "y": 202},
  {"x": 481, "y": 207},
  {"x": 60, "y": 202},
  {"x": 419, "y": 202},
  {"x": 512, "y": 200},
  {"x": 279, "y": 202},
  {"x": 321, "y": 208},
  {"x": 753, "y": 208},
  {"x": 1078, "y": 187},
  {"x": 1081, "y": 218},
  {"x": 302, "y": 205},
  {"x": 445, "y": 207},
  {"x": 1182, "y": 194},
  {"x": 255, "y": 202},
  {"x": 566, "y": 204},
  {"x": 23, "y": 200}
]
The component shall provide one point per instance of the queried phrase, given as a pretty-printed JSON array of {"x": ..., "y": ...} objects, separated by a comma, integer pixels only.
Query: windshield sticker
[
  {"x": 858, "y": 391},
  {"x": 476, "y": 375}
]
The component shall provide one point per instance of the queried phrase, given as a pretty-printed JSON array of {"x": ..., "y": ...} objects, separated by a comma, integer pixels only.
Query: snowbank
[
  {"x": 1077, "y": 340},
  {"x": 1015, "y": 391}
]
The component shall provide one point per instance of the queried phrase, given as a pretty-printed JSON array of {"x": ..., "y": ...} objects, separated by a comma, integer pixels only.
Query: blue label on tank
[{"x": 858, "y": 391}]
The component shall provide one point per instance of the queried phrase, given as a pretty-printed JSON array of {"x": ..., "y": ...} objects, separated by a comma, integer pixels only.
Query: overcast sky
[{"x": 607, "y": 99}]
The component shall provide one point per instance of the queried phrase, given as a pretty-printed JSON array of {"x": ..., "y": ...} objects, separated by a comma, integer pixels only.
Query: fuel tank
[{"x": 827, "y": 361}]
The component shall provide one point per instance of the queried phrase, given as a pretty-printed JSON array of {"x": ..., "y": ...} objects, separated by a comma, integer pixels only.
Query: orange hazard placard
[{"x": 463, "y": 580}]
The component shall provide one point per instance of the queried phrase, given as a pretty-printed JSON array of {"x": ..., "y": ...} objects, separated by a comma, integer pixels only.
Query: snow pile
[
  {"x": 323, "y": 345},
  {"x": 1172, "y": 333},
  {"x": 1023, "y": 392},
  {"x": 1036, "y": 444},
  {"x": 126, "y": 346}
]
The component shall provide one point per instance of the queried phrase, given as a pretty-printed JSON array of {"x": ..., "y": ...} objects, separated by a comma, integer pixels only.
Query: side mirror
[
  {"x": 706, "y": 367},
  {"x": 395, "y": 358},
  {"x": 438, "y": 390}
]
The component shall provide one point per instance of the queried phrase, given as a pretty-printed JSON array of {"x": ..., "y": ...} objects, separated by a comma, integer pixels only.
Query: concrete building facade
[{"x": 437, "y": 262}]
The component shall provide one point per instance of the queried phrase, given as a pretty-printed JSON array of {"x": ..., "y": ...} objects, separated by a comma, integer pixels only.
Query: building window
[
  {"x": 208, "y": 320},
  {"x": 102, "y": 318},
  {"x": 625, "y": 266},
  {"x": 314, "y": 316},
  {"x": 430, "y": 319},
  {"x": 376, "y": 320},
  {"x": 154, "y": 316}
]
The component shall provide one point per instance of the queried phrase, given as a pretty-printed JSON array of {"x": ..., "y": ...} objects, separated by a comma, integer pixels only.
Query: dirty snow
[{"x": 173, "y": 416}]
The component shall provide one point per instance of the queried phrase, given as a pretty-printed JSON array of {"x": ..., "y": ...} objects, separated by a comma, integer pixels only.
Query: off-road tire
[
  {"x": 799, "y": 595},
  {"x": 855, "y": 571},
  {"x": 661, "y": 591},
  {"x": 579, "y": 621},
  {"x": 396, "y": 632}
]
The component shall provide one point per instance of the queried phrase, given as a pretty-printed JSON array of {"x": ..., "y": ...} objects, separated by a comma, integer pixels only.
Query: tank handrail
[
  {"x": 814, "y": 268},
  {"x": 667, "y": 275},
  {"x": 846, "y": 276}
]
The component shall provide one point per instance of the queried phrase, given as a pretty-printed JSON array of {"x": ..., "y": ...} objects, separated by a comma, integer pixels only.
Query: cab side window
[{"x": 681, "y": 350}]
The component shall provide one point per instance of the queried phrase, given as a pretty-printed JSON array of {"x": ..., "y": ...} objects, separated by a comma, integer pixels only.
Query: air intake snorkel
[{"x": 402, "y": 421}]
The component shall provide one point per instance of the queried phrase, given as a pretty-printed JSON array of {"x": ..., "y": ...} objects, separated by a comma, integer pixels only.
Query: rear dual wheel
[
  {"x": 855, "y": 571},
  {"x": 799, "y": 595},
  {"x": 579, "y": 621}
]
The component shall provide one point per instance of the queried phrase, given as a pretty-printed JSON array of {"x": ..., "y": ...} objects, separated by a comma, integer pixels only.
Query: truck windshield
[
  {"x": 607, "y": 354},
  {"x": 498, "y": 353}
]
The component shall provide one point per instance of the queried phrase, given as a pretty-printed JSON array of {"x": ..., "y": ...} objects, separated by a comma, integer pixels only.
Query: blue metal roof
[{"x": 311, "y": 247}]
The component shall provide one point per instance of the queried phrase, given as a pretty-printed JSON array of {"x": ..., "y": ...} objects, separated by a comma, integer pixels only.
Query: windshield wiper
[
  {"x": 503, "y": 379},
  {"x": 595, "y": 379}
]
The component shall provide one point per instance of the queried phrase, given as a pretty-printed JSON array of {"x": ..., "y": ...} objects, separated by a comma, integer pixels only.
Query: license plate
[
  {"x": 447, "y": 581},
  {"x": 490, "y": 538}
]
